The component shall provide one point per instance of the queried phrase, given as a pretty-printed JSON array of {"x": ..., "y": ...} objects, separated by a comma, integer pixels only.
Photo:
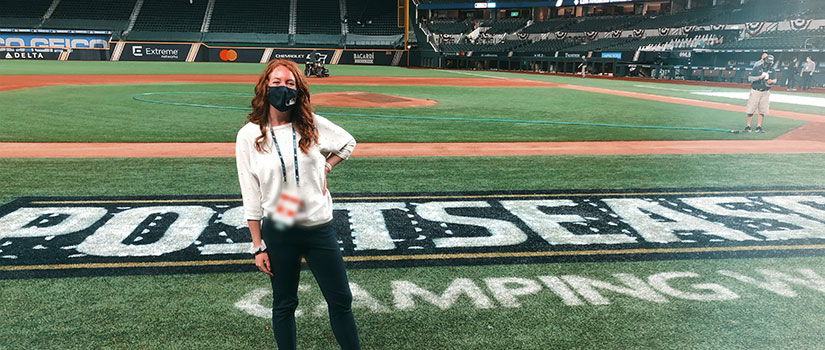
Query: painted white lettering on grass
[
  {"x": 717, "y": 292},
  {"x": 369, "y": 230},
  {"x": 633, "y": 287},
  {"x": 507, "y": 291},
  {"x": 775, "y": 97},
  {"x": 557, "y": 286},
  {"x": 404, "y": 291},
  {"x": 44, "y": 222},
  {"x": 633, "y": 210},
  {"x": 234, "y": 217},
  {"x": 251, "y": 303},
  {"x": 506, "y": 295},
  {"x": 808, "y": 228},
  {"x": 502, "y": 233},
  {"x": 108, "y": 239},
  {"x": 547, "y": 225},
  {"x": 774, "y": 281},
  {"x": 361, "y": 299},
  {"x": 797, "y": 204}
]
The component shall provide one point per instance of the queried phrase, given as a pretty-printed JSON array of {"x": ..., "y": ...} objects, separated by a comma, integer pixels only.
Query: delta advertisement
[{"x": 21, "y": 54}]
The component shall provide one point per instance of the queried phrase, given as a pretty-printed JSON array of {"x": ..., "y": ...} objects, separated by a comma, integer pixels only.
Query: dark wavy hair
[{"x": 301, "y": 114}]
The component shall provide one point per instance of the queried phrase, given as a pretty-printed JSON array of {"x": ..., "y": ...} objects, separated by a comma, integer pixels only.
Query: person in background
[
  {"x": 793, "y": 73},
  {"x": 761, "y": 78},
  {"x": 583, "y": 66},
  {"x": 808, "y": 68}
]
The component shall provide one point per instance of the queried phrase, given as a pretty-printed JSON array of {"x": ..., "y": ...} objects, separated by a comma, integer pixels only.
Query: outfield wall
[
  {"x": 197, "y": 52},
  {"x": 35, "y": 44}
]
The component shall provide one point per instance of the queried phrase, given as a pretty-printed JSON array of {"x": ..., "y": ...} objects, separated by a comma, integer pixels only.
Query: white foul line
[{"x": 475, "y": 74}]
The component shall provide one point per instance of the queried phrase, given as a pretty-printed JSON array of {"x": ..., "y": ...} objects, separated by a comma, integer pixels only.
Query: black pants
[
  {"x": 319, "y": 246},
  {"x": 806, "y": 81}
]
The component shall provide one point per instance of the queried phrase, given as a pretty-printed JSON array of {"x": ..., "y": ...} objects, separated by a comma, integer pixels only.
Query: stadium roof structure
[{"x": 452, "y": 5}]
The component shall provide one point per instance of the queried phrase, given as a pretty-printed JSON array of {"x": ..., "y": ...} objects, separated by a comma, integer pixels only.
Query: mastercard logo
[{"x": 228, "y": 55}]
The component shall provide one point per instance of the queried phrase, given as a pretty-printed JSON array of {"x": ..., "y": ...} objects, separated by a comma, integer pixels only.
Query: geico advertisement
[{"x": 53, "y": 40}]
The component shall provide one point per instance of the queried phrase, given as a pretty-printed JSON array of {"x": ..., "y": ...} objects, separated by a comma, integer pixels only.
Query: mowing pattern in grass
[
  {"x": 196, "y": 176},
  {"x": 109, "y": 114}
]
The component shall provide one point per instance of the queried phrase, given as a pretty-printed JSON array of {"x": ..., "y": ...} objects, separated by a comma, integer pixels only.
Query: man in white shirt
[{"x": 807, "y": 73}]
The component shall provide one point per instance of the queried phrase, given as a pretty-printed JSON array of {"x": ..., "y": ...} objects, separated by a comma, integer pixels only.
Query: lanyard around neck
[{"x": 294, "y": 153}]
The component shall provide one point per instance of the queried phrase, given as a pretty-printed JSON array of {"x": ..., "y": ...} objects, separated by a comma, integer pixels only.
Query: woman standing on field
[{"x": 283, "y": 155}]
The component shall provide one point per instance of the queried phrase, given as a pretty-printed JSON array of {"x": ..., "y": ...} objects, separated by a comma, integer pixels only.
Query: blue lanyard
[{"x": 294, "y": 153}]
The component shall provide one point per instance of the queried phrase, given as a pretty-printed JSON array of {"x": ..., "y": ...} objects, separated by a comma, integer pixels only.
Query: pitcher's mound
[{"x": 366, "y": 99}]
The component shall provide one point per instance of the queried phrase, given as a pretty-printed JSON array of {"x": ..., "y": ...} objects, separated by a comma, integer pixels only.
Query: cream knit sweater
[{"x": 261, "y": 178}]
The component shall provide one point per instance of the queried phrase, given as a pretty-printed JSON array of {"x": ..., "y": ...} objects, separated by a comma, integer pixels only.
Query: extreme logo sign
[{"x": 87, "y": 236}]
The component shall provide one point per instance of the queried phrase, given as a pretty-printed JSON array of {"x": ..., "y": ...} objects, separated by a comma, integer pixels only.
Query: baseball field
[{"x": 480, "y": 210}]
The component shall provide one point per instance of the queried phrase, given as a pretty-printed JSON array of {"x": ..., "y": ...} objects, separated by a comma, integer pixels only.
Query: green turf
[
  {"x": 108, "y": 113},
  {"x": 195, "y": 176},
  {"x": 197, "y": 312},
  {"x": 661, "y": 88},
  {"x": 12, "y": 67}
]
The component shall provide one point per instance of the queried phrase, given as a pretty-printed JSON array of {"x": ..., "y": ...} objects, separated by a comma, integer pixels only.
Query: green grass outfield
[
  {"x": 11, "y": 67},
  {"x": 188, "y": 311},
  {"x": 108, "y": 113},
  {"x": 205, "y": 176},
  {"x": 197, "y": 312}
]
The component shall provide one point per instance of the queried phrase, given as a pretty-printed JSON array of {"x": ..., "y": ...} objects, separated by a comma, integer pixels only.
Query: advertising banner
[
  {"x": 42, "y": 38},
  {"x": 155, "y": 52},
  {"x": 300, "y": 55},
  {"x": 29, "y": 54},
  {"x": 382, "y": 58},
  {"x": 230, "y": 54}
]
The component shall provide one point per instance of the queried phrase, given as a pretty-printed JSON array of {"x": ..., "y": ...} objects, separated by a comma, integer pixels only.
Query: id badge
[{"x": 287, "y": 206}]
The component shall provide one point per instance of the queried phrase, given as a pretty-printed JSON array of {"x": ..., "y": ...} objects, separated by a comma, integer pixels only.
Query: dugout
[{"x": 596, "y": 65}]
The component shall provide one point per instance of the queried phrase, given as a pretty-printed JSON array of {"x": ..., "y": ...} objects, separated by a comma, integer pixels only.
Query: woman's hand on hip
[
  {"x": 327, "y": 168},
  {"x": 262, "y": 262}
]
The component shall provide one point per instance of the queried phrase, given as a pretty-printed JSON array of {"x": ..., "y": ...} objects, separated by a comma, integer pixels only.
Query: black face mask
[{"x": 282, "y": 97}]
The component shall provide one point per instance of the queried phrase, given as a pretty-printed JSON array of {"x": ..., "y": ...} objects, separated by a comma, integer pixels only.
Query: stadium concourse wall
[{"x": 81, "y": 45}]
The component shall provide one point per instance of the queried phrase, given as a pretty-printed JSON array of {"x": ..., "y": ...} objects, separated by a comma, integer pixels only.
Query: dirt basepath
[{"x": 175, "y": 150}]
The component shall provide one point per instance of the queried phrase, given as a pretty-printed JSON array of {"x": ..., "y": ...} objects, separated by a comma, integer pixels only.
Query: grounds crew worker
[
  {"x": 283, "y": 155},
  {"x": 808, "y": 68},
  {"x": 583, "y": 66},
  {"x": 761, "y": 78}
]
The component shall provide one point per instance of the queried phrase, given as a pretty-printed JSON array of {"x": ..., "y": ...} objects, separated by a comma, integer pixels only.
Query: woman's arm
[
  {"x": 261, "y": 258},
  {"x": 334, "y": 140},
  {"x": 251, "y": 194},
  {"x": 332, "y": 160}
]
